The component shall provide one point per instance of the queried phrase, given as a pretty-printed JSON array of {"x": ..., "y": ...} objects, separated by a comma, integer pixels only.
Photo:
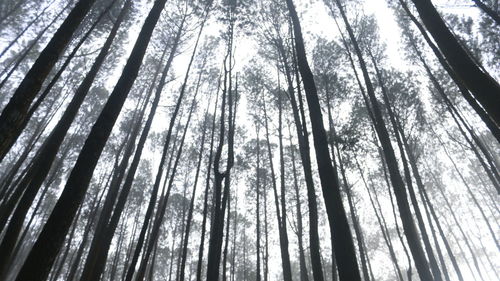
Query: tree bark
[
  {"x": 14, "y": 113},
  {"x": 411, "y": 232},
  {"x": 489, "y": 11},
  {"x": 339, "y": 227},
  {"x": 283, "y": 235},
  {"x": 487, "y": 119},
  {"x": 43, "y": 253},
  {"x": 484, "y": 88}
]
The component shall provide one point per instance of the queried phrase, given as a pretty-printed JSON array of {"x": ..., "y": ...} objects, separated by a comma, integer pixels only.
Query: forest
[{"x": 249, "y": 140}]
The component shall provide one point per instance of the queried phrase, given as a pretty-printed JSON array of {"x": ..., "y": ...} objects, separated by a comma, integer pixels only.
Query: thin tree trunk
[
  {"x": 457, "y": 223},
  {"x": 303, "y": 141},
  {"x": 354, "y": 217},
  {"x": 207, "y": 188},
  {"x": 257, "y": 210},
  {"x": 283, "y": 236},
  {"x": 383, "y": 227},
  {"x": 198, "y": 166},
  {"x": 469, "y": 191},
  {"x": 162, "y": 206},
  {"x": 302, "y": 258}
]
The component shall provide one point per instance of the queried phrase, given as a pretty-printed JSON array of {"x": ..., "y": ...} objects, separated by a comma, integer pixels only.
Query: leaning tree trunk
[
  {"x": 40, "y": 168},
  {"x": 302, "y": 258},
  {"x": 484, "y": 88},
  {"x": 14, "y": 113},
  {"x": 43, "y": 253},
  {"x": 95, "y": 258},
  {"x": 489, "y": 11},
  {"x": 383, "y": 227},
  {"x": 425, "y": 237},
  {"x": 191, "y": 204},
  {"x": 494, "y": 128}
]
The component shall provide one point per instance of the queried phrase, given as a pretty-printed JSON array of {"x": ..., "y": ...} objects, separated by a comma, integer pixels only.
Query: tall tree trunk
[
  {"x": 471, "y": 194},
  {"x": 487, "y": 119},
  {"x": 162, "y": 206},
  {"x": 257, "y": 210},
  {"x": 222, "y": 178},
  {"x": 302, "y": 258},
  {"x": 491, "y": 170},
  {"x": 200, "y": 156},
  {"x": 458, "y": 224},
  {"x": 40, "y": 168},
  {"x": 43, "y": 253},
  {"x": 383, "y": 227},
  {"x": 354, "y": 217},
  {"x": 303, "y": 141},
  {"x": 483, "y": 87},
  {"x": 339, "y": 227},
  {"x": 283, "y": 236},
  {"x": 411, "y": 232},
  {"x": 421, "y": 224},
  {"x": 14, "y": 113},
  {"x": 207, "y": 188},
  {"x": 102, "y": 245},
  {"x": 226, "y": 243}
]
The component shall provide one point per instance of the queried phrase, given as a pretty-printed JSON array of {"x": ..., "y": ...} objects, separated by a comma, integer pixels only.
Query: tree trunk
[
  {"x": 383, "y": 227},
  {"x": 484, "y": 88},
  {"x": 222, "y": 178},
  {"x": 283, "y": 236},
  {"x": 162, "y": 206},
  {"x": 43, "y": 253},
  {"x": 207, "y": 188},
  {"x": 200, "y": 156},
  {"x": 43, "y": 161},
  {"x": 303, "y": 141},
  {"x": 302, "y": 258},
  {"x": 14, "y": 113},
  {"x": 411, "y": 232},
  {"x": 257, "y": 210},
  {"x": 489, "y": 11},
  {"x": 487, "y": 119},
  {"x": 339, "y": 227},
  {"x": 421, "y": 224}
]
